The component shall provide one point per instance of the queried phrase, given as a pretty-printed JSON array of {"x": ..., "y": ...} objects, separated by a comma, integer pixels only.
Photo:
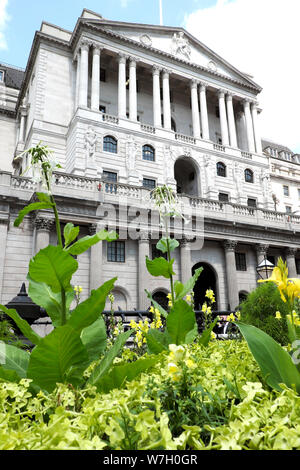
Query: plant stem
[{"x": 169, "y": 259}]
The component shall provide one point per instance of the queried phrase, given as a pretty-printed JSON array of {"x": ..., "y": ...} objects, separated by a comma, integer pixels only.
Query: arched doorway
[
  {"x": 186, "y": 176},
  {"x": 161, "y": 298},
  {"x": 206, "y": 280}
]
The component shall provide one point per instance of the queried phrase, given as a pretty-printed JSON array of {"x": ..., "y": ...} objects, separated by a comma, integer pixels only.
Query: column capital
[
  {"x": 229, "y": 245},
  {"x": 97, "y": 48},
  {"x": 42, "y": 223},
  {"x": 229, "y": 95},
  {"x": 291, "y": 251},
  {"x": 262, "y": 248},
  {"x": 122, "y": 58},
  {"x": 203, "y": 85},
  {"x": 166, "y": 72},
  {"x": 133, "y": 60},
  {"x": 144, "y": 236},
  {"x": 194, "y": 83},
  {"x": 85, "y": 44},
  {"x": 92, "y": 229},
  {"x": 221, "y": 92},
  {"x": 156, "y": 70},
  {"x": 183, "y": 242}
]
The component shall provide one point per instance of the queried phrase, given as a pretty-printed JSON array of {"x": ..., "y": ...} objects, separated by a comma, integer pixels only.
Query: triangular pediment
[{"x": 177, "y": 43}]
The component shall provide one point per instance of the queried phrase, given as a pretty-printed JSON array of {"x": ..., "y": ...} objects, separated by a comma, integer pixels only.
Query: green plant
[
  {"x": 79, "y": 335},
  {"x": 259, "y": 310},
  {"x": 8, "y": 335}
]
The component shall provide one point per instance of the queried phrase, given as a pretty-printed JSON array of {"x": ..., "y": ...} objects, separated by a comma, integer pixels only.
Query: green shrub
[{"x": 259, "y": 310}]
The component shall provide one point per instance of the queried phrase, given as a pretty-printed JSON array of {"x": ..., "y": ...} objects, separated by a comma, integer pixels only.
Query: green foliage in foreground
[{"x": 220, "y": 404}]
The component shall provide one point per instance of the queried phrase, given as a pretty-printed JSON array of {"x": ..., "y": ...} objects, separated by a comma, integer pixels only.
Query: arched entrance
[
  {"x": 186, "y": 176},
  {"x": 161, "y": 298},
  {"x": 206, "y": 280}
]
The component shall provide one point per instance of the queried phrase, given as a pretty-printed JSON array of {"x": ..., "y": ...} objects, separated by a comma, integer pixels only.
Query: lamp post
[{"x": 265, "y": 268}]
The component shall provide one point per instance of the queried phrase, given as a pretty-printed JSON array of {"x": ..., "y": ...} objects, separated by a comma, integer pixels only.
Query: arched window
[
  {"x": 249, "y": 175},
  {"x": 221, "y": 169},
  {"x": 110, "y": 144},
  {"x": 148, "y": 153}
]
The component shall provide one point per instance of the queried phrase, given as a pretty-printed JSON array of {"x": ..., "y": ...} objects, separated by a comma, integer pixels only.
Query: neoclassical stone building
[{"x": 126, "y": 107}]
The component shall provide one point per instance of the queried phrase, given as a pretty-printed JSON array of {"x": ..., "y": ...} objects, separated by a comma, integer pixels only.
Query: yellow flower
[
  {"x": 169, "y": 295},
  {"x": 238, "y": 315},
  {"x": 151, "y": 309},
  {"x": 177, "y": 353},
  {"x": 204, "y": 307},
  {"x": 289, "y": 288},
  {"x": 174, "y": 371},
  {"x": 188, "y": 298},
  {"x": 190, "y": 364},
  {"x": 210, "y": 295},
  {"x": 231, "y": 317},
  {"x": 278, "y": 315},
  {"x": 213, "y": 335},
  {"x": 170, "y": 304}
]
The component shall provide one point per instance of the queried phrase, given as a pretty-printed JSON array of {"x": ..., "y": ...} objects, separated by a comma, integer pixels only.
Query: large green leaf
[
  {"x": 70, "y": 233},
  {"x": 157, "y": 341},
  {"x": 118, "y": 375},
  {"x": 86, "y": 242},
  {"x": 54, "y": 267},
  {"x": 94, "y": 339},
  {"x": 161, "y": 310},
  {"x": 160, "y": 267},
  {"x": 51, "y": 301},
  {"x": 14, "y": 361},
  {"x": 21, "y": 324},
  {"x": 31, "y": 207},
  {"x": 88, "y": 312},
  {"x": 180, "y": 321},
  {"x": 51, "y": 360},
  {"x": 109, "y": 357},
  {"x": 275, "y": 363},
  {"x": 186, "y": 288},
  {"x": 162, "y": 244}
]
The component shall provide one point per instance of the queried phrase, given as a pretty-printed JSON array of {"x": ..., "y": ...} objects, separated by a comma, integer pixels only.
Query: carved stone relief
[{"x": 180, "y": 45}]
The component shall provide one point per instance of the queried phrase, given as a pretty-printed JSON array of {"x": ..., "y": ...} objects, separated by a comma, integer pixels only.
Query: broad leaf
[
  {"x": 118, "y": 375},
  {"x": 157, "y": 341},
  {"x": 88, "y": 312},
  {"x": 189, "y": 285},
  {"x": 275, "y": 363},
  {"x": 44, "y": 197},
  {"x": 51, "y": 360},
  {"x": 160, "y": 267},
  {"x": 94, "y": 339},
  {"x": 15, "y": 360},
  {"x": 51, "y": 301},
  {"x": 162, "y": 244},
  {"x": 53, "y": 266},
  {"x": 191, "y": 335},
  {"x": 86, "y": 242},
  {"x": 206, "y": 334},
  {"x": 180, "y": 321},
  {"x": 161, "y": 310},
  {"x": 70, "y": 233},
  {"x": 31, "y": 207},
  {"x": 109, "y": 357},
  {"x": 178, "y": 287},
  {"x": 22, "y": 324}
]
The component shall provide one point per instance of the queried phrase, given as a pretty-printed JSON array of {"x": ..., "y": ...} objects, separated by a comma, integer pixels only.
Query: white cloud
[
  {"x": 4, "y": 18},
  {"x": 260, "y": 37}
]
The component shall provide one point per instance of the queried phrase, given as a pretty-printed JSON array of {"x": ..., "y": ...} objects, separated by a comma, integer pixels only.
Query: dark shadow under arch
[{"x": 206, "y": 280}]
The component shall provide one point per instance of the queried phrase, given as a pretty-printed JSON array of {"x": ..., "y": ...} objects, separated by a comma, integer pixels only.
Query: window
[
  {"x": 221, "y": 169},
  {"x": 251, "y": 202},
  {"x": 149, "y": 183},
  {"x": 223, "y": 197},
  {"x": 286, "y": 190},
  {"x": 288, "y": 209},
  {"x": 102, "y": 75},
  {"x": 157, "y": 253},
  {"x": 110, "y": 176},
  {"x": 148, "y": 153},
  {"x": 102, "y": 109},
  {"x": 1, "y": 76},
  {"x": 271, "y": 259},
  {"x": 116, "y": 252},
  {"x": 110, "y": 144},
  {"x": 249, "y": 176},
  {"x": 240, "y": 262}
]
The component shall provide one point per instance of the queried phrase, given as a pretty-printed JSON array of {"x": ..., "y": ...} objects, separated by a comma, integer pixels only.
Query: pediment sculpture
[{"x": 180, "y": 45}]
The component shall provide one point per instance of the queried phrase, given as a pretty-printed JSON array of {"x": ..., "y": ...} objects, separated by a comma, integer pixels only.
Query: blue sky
[{"x": 256, "y": 39}]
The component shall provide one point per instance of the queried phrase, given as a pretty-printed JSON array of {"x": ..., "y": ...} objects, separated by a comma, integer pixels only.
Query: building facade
[{"x": 127, "y": 107}]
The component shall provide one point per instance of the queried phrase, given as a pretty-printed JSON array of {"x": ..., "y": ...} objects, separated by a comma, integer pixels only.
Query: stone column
[
  {"x": 195, "y": 109},
  {"x": 166, "y": 100},
  {"x": 261, "y": 252},
  {"x": 84, "y": 74},
  {"x": 223, "y": 118},
  {"x": 231, "y": 120},
  {"x": 142, "y": 272},
  {"x": 203, "y": 111},
  {"x": 249, "y": 126},
  {"x": 257, "y": 137},
  {"x": 156, "y": 97},
  {"x": 132, "y": 90},
  {"x": 43, "y": 228},
  {"x": 291, "y": 262},
  {"x": 95, "y": 259},
  {"x": 3, "y": 238},
  {"x": 95, "y": 93},
  {"x": 232, "y": 285},
  {"x": 185, "y": 260},
  {"x": 77, "y": 58},
  {"x": 122, "y": 87}
]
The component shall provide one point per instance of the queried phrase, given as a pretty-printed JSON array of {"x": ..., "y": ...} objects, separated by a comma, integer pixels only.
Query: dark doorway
[
  {"x": 186, "y": 176},
  {"x": 206, "y": 280},
  {"x": 161, "y": 298}
]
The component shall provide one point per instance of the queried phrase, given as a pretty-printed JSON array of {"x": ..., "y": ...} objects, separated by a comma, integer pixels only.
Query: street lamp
[{"x": 265, "y": 268}]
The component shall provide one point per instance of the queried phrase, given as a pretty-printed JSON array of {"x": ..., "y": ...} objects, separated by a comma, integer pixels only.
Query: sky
[{"x": 258, "y": 37}]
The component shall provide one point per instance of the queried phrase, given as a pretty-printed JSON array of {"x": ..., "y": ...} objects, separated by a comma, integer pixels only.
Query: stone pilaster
[
  {"x": 84, "y": 73},
  {"x": 203, "y": 111},
  {"x": 231, "y": 121},
  {"x": 156, "y": 97},
  {"x": 132, "y": 89},
  {"x": 185, "y": 260},
  {"x": 95, "y": 92},
  {"x": 122, "y": 87},
  {"x": 223, "y": 118},
  {"x": 166, "y": 100},
  {"x": 195, "y": 109},
  {"x": 43, "y": 228},
  {"x": 249, "y": 126},
  {"x": 96, "y": 256},
  {"x": 231, "y": 276},
  {"x": 261, "y": 252},
  {"x": 257, "y": 137},
  {"x": 291, "y": 262},
  {"x": 142, "y": 272}
]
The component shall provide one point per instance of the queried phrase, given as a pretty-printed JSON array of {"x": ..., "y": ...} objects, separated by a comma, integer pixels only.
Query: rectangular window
[
  {"x": 288, "y": 209},
  {"x": 286, "y": 191},
  {"x": 102, "y": 75},
  {"x": 110, "y": 176},
  {"x": 223, "y": 197},
  {"x": 251, "y": 202},
  {"x": 148, "y": 183},
  {"x": 240, "y": 261},
  {"x": 116, "y": 252},
  {"x": 157, "y": 253},
  {"x": 102, "y": 109}
]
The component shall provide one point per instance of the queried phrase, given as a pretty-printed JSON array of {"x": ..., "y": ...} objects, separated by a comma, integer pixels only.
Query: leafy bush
[{"x": 259, "y": 310}]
